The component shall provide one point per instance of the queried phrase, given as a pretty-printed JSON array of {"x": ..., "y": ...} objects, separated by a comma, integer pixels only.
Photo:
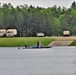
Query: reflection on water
[{"x": 51, "y": 61}]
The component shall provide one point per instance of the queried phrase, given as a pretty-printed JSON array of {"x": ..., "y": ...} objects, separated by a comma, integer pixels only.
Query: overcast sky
[{"x": 40, "y": 3}]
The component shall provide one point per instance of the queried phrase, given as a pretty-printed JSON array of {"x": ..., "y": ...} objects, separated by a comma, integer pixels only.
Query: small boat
[
  {"x": 42, "y": 47},
  {"x": 34, "y": 47}
]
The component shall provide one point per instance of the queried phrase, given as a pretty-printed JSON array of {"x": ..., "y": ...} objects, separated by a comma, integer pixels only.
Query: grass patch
[
  {"x": 21, "y": 41},
  {"x": 73, "y": 43}
]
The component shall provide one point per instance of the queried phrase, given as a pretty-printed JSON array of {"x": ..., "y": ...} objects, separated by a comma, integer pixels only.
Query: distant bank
[
  {"x": 21, "y": 41},
  {"x": 32, "y": 41}
]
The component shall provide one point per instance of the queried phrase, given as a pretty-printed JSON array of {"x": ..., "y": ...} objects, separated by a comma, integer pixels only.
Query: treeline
[{"x": 30, "y": 20}]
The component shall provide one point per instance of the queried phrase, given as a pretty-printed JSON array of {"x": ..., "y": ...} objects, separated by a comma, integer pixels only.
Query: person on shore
[
  {"x": 26, "y": 45},
  {"x": 37, "y": 44}
]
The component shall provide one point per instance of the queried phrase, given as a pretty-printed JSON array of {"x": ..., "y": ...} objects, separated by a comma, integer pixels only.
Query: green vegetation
[
  {"x": 16, "y": 42},
  {"x": 30, "y": 20},
  {"x": 73, "y": 43}
]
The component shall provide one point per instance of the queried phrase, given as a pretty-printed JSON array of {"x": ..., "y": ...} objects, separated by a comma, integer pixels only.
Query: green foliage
[
  {"x": 15, "y": 42},
  {"x": 30, "y": 20},
  {"x": 73, "y": 5},
  {"x": 73, "y": 43}
]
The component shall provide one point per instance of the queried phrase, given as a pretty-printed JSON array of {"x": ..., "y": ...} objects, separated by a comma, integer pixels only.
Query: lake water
[{"x": 51, "y": 61}]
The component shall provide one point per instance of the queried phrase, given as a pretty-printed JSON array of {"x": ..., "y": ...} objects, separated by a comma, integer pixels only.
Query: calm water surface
[{"x": 51, "y": 61}]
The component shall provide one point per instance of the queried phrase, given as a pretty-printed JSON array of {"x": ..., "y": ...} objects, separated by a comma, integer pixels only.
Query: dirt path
[{"x": 64, "y": 38}]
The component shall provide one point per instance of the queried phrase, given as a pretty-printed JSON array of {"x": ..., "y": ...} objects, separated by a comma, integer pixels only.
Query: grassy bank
[
  {"x": 73, "y": 43},
  {"x": 15, "y": 42}
]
